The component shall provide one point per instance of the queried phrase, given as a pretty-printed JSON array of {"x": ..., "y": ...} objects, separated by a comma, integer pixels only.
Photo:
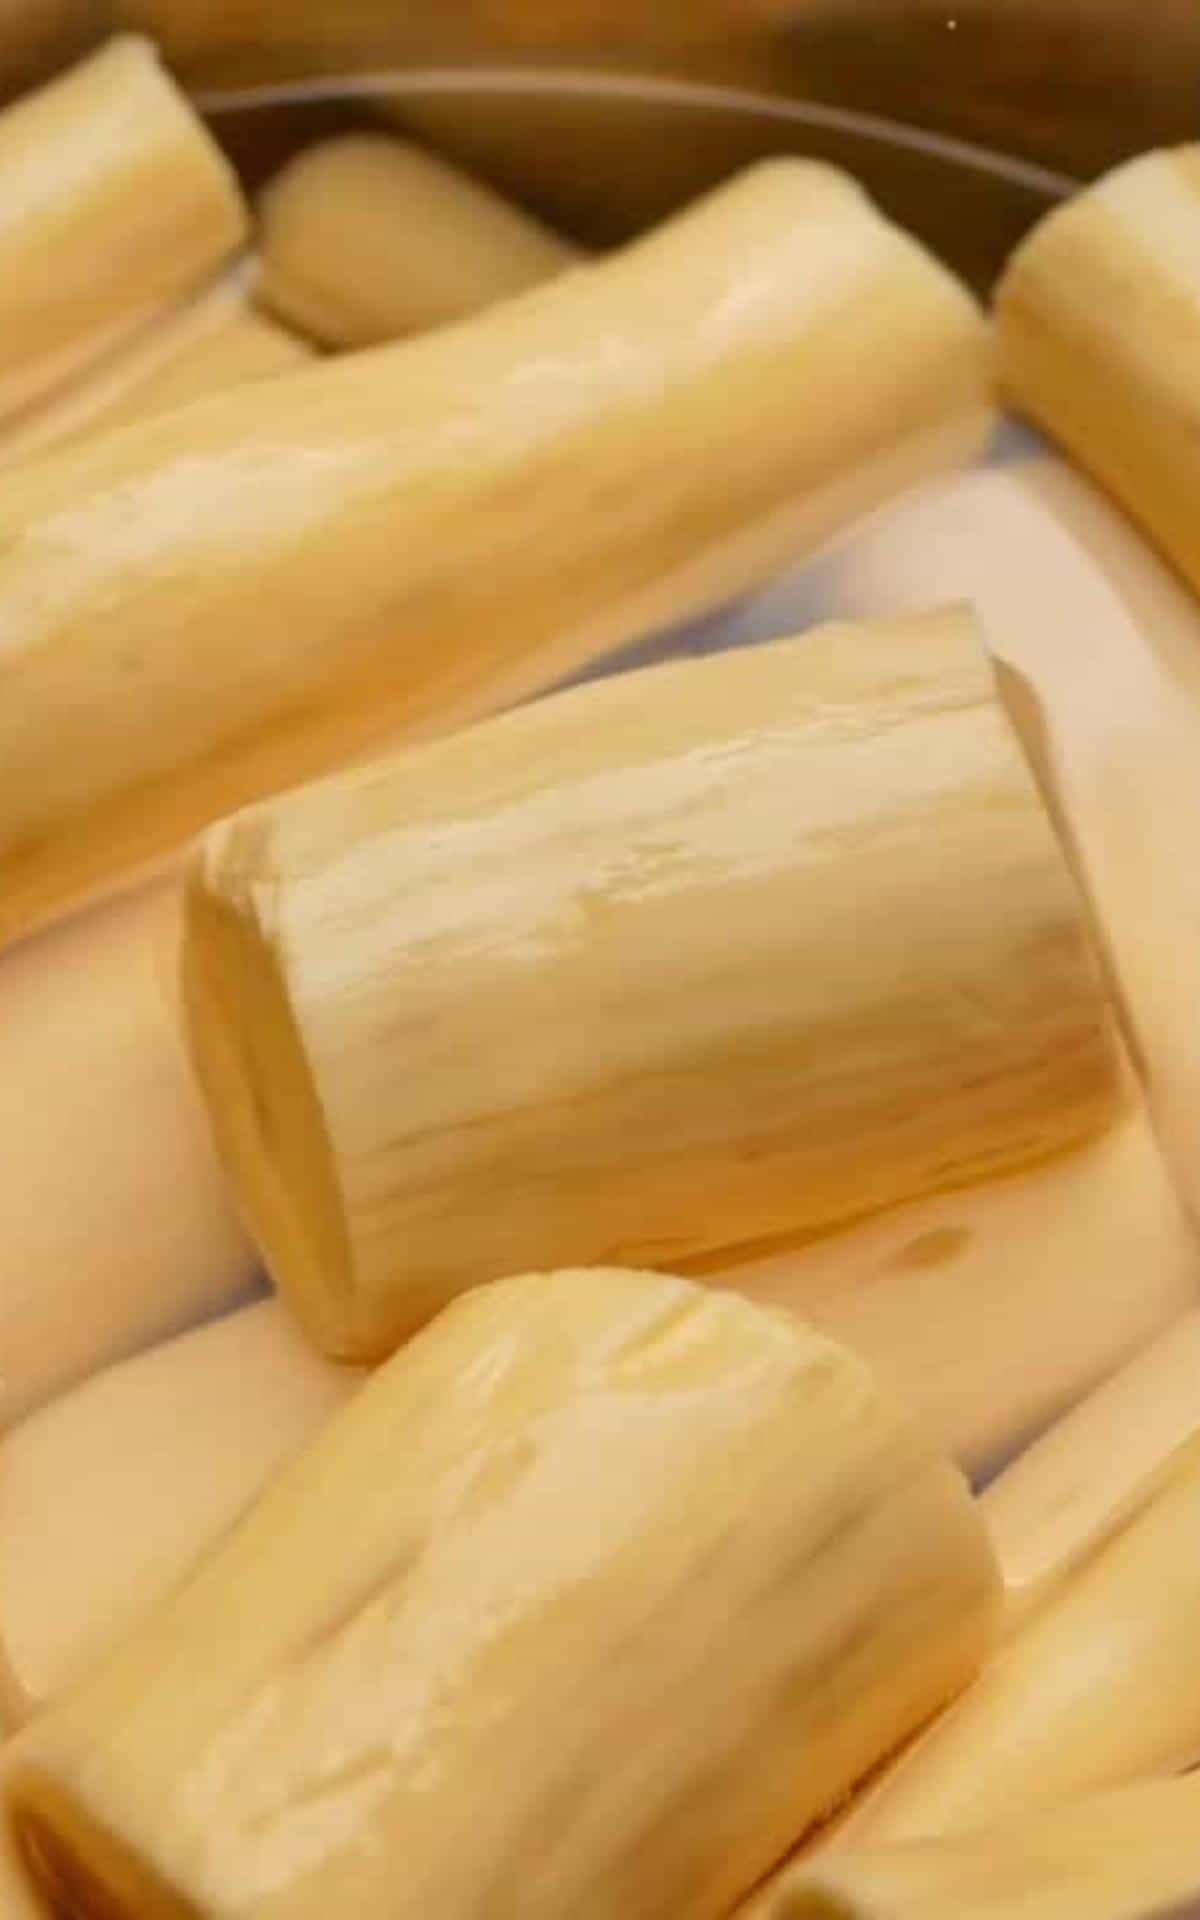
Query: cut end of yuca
[
  {"x": 262, "y": 1096},
  {"x": 1098, "y": 344}
]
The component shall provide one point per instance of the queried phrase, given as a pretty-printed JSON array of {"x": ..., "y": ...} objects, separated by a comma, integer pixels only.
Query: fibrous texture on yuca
[
  {"x": 115, "y": 1225},
  {"x": 1095, "y": 1690},
  {"x": 603, "y": 1590},
  {"x": 207, "y": 607},
  {"x": 367, "y": 238},
  {"x": 1120, "y": 1856},
  {"x": 182, "y": 1438},
  {"x": 114, "y": 204},
  {"x": 721, "y": 951},
  {"x": 109, "y": 1495},
  {"x": 1098, "y": 341},
  {"x": 1105, "y": 639}
]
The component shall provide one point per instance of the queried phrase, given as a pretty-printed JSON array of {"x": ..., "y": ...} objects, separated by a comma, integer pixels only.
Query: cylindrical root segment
[
  {"x": 599, "y": 1541},
  {"x": 698, "y": 957}
]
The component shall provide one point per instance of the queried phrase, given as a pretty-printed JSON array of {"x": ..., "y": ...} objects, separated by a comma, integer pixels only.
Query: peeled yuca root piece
[
  {"x": 1099, "y": 342},
  {"x": 1106, "y": 639},
  {"x": 1121, "y": 1856},
  {"x": 214, "y": 342},
  {"x": 109, "y": 1495},
  {"x": 1074, "y": 1257},
  {"x": 426, "y": 532},
  {"x": 1080, "y": 1483},
  {"x": 725, "y": 949},
  {"x": 115, "y": 1226},
  {"x": 993, "y": 1308},
  {"x": 114, "y": 202},
  {"x": 367, "y": 237},
  {"x": 1090, "y": 1693},
  {"x": 597, "y": 1540},
  {"x": 116, "y": 1229}
]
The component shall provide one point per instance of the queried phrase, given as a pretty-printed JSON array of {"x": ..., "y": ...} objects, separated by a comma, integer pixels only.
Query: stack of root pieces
[{"x": 684, "y": 1117}]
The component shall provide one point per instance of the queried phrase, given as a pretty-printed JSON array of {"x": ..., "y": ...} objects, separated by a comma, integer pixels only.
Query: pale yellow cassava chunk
[
  {"x": 1091, "y": 1472},
  {"x": 114, "y": 203},
  {"x": 727, "y": 949},
  {"x": 214, "y": 342},
  {"x": 1095, "y": 1690},
  {"x": 1100, "y": 339},
  {"x": 1067, "y": 1256},
  {"x": 1121, "y": 1856},
  {"x": 1104, "y": 639},
  {"x": 1077, "y": 1256},
  {"x": 217, "y": 603},
  {"x": 603, "y": 1590},
  {"x": 115, "y": 1226},
  {"x": 993, "y": 1308},
  {"x": 367, "y": 237},
  {"x": 110, "y": 1494}
]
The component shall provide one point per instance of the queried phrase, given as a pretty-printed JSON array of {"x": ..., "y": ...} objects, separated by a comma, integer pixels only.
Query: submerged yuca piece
[
  {"x": 115, "y": 1225},
  {"x": 366, "y": 238},
  {"x": 1121, "y": 1856},
  {"x": 109, "y": 1495},
  {"x": 214, "y": 342},
  {"x": 216, "y": 604},
  {"x": 1099, "y": 340},
  {"x": 993, "y": 1308},
  {"x": 721, "y": 950},
  {"x": 114, "y": 202},
  {"x": 1084, "y": 1479},
  {"x": 597, "y": 1541},
  {"x": 1097, "y": 1689}
]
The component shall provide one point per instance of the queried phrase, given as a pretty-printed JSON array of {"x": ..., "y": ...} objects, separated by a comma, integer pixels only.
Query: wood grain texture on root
[
  {"x": 1105, "y": 637},
  {"x": 721, "y": 951},
  {"x": 181, "y": 1439},
  {"x": 155, "y": 1438},
  {"x": 598, "y": 1541},
  {"x": 206, "y": 607}
]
